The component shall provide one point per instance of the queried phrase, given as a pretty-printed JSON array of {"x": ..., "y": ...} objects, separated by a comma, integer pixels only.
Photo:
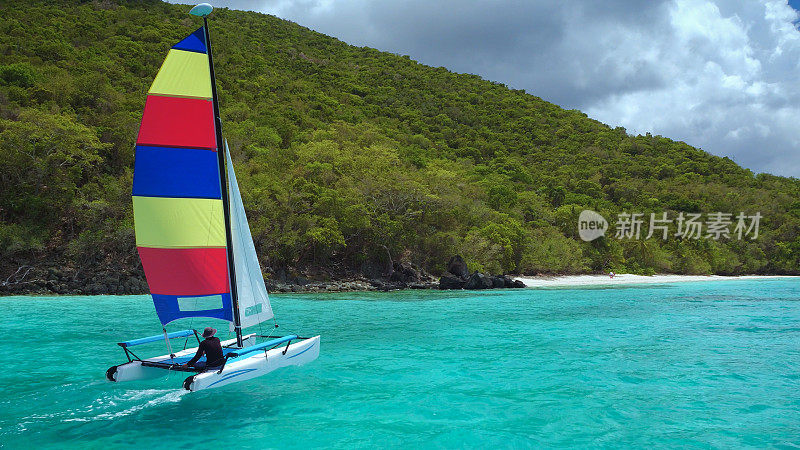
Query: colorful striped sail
[{"x": 177, "y": 199}]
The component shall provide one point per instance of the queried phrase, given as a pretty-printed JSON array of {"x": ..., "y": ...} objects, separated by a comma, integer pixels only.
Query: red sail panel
[
  {"x": 178, "y": 122},
  {"x": 185, "y": 271}
]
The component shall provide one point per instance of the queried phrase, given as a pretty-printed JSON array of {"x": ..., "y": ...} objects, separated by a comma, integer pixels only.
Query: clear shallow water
[{"x": 714, "y": 364}]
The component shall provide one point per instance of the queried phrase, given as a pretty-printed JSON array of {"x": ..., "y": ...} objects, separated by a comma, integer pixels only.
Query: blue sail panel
[
  {"x": 176, "y": 172},
  {"x": 173, "y": 307},
  {"x": 195, "y": 42}
]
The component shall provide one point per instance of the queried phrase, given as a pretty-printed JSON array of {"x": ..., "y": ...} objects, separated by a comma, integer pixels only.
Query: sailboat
[{"x": 192, "y": 233}]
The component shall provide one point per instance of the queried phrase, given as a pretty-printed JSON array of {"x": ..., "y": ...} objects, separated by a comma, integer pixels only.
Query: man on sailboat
[{"x": 212, "y": 348}]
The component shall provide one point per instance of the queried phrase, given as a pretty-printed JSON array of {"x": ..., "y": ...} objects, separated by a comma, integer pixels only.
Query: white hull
[
  {"x": 134, "y": 370},
  {"x": 257, "y": 365},
  {"x": 239, "y": 369}
]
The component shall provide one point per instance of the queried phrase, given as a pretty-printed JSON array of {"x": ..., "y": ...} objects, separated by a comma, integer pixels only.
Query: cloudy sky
[{"x": 722, "y": 75}]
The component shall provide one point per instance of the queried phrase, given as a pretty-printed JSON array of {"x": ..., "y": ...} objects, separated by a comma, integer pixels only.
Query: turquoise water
[{"x": 713, "y": 364}]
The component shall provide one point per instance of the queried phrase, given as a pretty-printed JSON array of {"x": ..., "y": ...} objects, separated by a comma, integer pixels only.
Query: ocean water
[{"x": 709, "y": 364}]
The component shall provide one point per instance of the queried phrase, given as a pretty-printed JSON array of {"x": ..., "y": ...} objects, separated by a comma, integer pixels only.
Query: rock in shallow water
[
  {"x": 450, "y": 281},
  {"x": 498, "y": 282},
  {"x": 478, "y": 281}
]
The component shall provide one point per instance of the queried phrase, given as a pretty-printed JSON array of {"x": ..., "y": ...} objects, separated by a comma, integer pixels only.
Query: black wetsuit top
[{"x": 212, "y": 348}]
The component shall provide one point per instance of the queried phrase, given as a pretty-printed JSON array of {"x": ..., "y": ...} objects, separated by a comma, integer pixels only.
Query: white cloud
[
  {"x": 719, "y": 74},
  {"x": 731, "y": 88}
]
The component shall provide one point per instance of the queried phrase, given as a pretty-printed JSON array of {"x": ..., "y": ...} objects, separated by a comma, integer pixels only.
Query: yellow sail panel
[
  {"x": 163, "y": 222},
  {"x": 183, "y": 74}
]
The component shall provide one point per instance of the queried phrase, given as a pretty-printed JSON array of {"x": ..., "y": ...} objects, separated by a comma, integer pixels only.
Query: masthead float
[{"x": 192, "y": 232}]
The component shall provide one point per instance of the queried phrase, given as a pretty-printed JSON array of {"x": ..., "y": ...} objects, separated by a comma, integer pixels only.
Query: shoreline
[
  {"x": 624, "y": 279},
  {"x": 531, "y": 282}
]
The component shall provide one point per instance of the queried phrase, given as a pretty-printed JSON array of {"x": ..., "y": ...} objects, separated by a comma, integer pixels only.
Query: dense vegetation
[{"x": 348, "y": 156}]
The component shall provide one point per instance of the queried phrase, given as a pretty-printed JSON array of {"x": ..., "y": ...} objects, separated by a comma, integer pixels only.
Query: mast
[{"x": 223, "y": 176}]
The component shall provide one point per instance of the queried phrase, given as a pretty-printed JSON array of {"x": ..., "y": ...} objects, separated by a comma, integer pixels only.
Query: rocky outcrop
[
  {"x": 405, "y": 272},
  {"x": 498, "y": 282},
  {"x": 361, "y": 284},
  {"x": 65, "y": 281},
  {"x": 478, "y": 281},
  {"x": 109, "y": 279},
  {"x": 450, "y": 281},
  {"x": 458, "y": 267},
  {"x": 374, "y": 277},
  {"x": 458, "y": 277}
]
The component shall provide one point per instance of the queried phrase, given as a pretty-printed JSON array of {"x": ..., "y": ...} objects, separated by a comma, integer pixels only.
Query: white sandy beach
[{"x": 626, "y": 279}]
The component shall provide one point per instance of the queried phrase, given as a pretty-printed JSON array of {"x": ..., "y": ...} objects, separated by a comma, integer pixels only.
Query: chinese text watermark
[{"x": 715, "y": 225}]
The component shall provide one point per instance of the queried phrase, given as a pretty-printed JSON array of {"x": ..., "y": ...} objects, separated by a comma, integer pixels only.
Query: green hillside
[{"x": 347, "y": 156}]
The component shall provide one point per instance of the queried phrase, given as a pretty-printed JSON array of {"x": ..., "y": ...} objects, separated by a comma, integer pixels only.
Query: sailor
[{"x": 212, "y": 348}]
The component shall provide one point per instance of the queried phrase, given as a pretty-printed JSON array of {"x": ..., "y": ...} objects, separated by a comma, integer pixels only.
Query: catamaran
[{"x": 192, "y": 232}]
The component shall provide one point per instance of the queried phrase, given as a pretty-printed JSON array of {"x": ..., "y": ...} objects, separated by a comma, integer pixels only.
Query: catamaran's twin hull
[
  {"x": 238, "y": 369},
  {"x": 254, "y": 366}
]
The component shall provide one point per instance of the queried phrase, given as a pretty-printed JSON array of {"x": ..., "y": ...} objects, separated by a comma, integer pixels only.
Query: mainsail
[{"x": 178, "y": 200}]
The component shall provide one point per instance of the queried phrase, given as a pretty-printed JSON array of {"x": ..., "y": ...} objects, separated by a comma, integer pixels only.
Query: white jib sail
[{"x": 254, "y": 306}]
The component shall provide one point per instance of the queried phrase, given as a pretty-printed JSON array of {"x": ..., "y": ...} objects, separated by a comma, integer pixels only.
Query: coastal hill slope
[{"x": 348, "y": 158}]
